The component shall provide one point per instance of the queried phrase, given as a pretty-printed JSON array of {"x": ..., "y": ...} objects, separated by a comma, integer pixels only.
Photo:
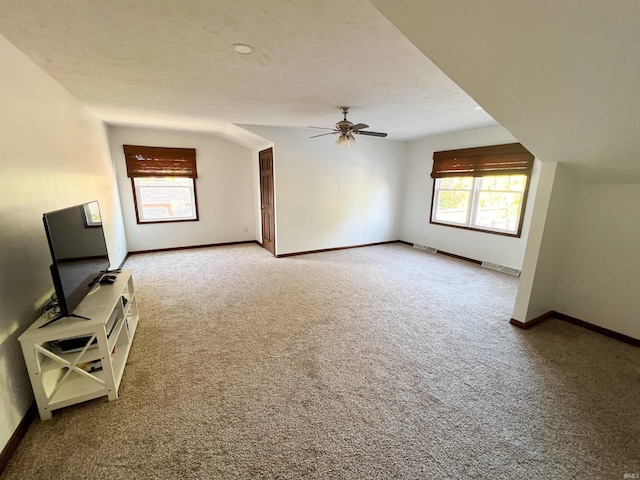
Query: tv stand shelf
[{"x": 61, "y": 377}]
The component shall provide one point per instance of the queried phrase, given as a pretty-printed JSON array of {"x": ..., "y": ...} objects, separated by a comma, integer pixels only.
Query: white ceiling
[
  {"x": 168, "y": 63},
  {"x": 563, "y": 76}
]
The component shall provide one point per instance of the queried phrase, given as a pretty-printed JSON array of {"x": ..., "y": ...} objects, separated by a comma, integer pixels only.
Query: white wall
[
  {"x": 327, "y": 196},
  {"x": 599, "y": 277},
  {"x": 53, "y": 154},
  {"x": 544, "y": 245},
  {"x": 227, "y": 206},
  {"x": 508, "y": 251},
  {"x": 582, "y": 258},
  {"x": 553, "y": 248}
]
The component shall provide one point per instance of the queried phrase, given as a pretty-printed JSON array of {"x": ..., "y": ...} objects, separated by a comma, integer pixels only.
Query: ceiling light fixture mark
[{"x": 242, "y": 48}]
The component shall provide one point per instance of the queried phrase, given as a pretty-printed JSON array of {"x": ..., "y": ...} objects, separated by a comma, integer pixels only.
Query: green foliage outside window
[
  {"x": 454, "y": 199},
  {"x": 496, "y": 205}
]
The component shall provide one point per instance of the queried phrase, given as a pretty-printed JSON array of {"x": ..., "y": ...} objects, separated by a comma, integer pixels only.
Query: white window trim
[
  {"x": 140, "y": 210},
  {"x": 472, "y": 212}
]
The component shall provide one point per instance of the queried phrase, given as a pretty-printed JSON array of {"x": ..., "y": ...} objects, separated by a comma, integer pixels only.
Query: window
[
  {"x": 163, "y": 182},
  {"x": 482, "y": 189},
  {"x": 485, "y": 203},
  {"x": 92, "y": 216},
  {"x": 164, "y": 199}
]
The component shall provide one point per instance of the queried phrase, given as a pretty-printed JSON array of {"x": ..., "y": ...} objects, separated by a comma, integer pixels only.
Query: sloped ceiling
[
  {"x": 168, "y": 63},
  {"x": 562, "y": 76}
]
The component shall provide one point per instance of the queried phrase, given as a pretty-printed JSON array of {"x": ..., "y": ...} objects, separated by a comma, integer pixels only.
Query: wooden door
[{"x": 266, "y": 200}]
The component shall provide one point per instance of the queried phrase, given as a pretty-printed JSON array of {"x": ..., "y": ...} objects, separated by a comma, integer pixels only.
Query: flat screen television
[{"x": 79, "y": 253}]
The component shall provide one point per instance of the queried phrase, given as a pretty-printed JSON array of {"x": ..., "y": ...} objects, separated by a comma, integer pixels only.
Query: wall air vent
[
  {"x": 425, "y": 248},
  {"x": 501, "y": 268}
]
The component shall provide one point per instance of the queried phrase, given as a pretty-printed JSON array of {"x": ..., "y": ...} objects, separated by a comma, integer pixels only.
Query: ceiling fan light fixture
[{"x": 345, "y": 140}]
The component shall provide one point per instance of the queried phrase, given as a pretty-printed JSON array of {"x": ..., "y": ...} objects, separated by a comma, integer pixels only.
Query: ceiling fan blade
[
  {"x": 324, "y": 128},
  {"x": 359, "y": 126},
  {"x": 323, "y": 134},
  {"x": 371, "y": 134}
]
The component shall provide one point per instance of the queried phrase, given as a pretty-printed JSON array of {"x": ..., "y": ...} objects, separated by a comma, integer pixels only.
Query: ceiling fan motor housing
[{"x": 344, "y": 125}]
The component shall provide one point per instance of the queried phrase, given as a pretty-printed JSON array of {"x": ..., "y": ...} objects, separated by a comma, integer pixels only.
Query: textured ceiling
[{"x": 169, "y": 63}]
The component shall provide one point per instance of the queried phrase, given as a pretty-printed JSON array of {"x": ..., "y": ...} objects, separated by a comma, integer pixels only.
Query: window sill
[
  {"x": 475, "y": 229},
  {"x": 155, "y": 222}
]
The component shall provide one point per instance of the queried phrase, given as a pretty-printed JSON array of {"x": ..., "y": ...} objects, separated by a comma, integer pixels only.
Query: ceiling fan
[{"x": 346, "y": 129}]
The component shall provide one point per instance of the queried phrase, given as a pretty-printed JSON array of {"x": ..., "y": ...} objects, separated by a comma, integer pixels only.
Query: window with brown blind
[
  {"x": 483, "y": 189},
  {"x": 163, "y": 183}
]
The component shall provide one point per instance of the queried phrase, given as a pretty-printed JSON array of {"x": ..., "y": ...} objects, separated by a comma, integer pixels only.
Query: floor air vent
[
  {"x": 425, "y": 248},
  {"x": 501, "y": 268}
]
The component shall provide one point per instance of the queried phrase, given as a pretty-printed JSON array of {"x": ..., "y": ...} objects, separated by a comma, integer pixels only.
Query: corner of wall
[{"x": 546, "y": 243}]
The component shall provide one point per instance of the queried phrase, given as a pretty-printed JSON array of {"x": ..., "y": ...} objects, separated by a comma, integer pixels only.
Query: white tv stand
[{"x": 60, "y": 378}]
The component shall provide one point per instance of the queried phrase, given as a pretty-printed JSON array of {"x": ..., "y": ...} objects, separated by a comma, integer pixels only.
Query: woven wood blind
[
  {"x": 509, "y": 159},
  {"x": 160, "y": 161}
]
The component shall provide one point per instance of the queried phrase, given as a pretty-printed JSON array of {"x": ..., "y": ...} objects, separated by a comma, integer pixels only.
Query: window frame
[
  {"x": 472, "y": 211},
  {"x": 161, "y": 162},
  {"x": 497, "y": 160},
  {"x": 140, "y": 221}
]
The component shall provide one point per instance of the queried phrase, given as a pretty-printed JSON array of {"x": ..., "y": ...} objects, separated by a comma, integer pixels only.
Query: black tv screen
[{"x": 78, "y": 250}]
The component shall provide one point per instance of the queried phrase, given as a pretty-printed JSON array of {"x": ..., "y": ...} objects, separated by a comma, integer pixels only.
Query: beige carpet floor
[{"x": 374, "y": 363}]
